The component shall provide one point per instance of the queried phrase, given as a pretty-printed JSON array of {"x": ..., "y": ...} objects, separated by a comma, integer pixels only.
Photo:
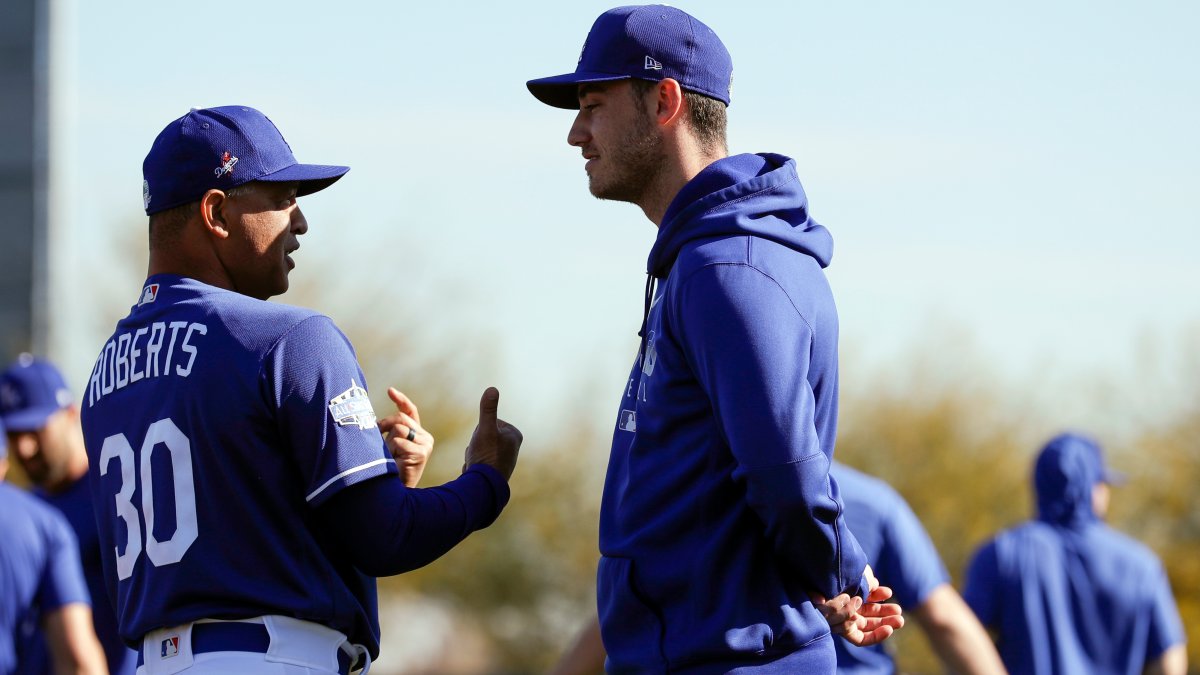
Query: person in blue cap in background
[
  {"x": 723, "y": 546},
  {"x": 901, "y": 551},
  {"x": 1066, "y": 593},
  {"x": 45, "y": 615},
  {"x": 42, "y": 419}
]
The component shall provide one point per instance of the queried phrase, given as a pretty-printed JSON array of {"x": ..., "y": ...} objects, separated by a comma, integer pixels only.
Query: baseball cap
[
  {"x": 1081, "y": 450},
  {"x": 222, "y": 148},
  {"x": 31, "y": 390},
  {"x": 648, "y": 42}
]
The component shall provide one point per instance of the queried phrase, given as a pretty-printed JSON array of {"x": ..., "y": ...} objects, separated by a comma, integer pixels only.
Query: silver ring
[{"x": 412, "y": 434}]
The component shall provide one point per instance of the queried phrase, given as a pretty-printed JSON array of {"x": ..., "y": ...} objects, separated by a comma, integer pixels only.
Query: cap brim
[
  {"x": 562, "y": 91},
  {"x": 311, "y": 177},
  {"x": 29, "y": 419}
]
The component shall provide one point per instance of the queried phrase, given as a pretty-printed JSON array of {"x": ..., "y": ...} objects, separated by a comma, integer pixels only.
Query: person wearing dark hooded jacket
[
  {"x": 724, "y": 547},
  {"x": 1065, "y": 593}
]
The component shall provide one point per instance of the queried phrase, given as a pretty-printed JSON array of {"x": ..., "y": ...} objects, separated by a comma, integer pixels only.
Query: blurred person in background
[
  {"x": 45, "y": 437},
  {"x": 45, "y": 616},
  {"x": 900, "y": 550},
  {"x": 1066, "y": 593}
]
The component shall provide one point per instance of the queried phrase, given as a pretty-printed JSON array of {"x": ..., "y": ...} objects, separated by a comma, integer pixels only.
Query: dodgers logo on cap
[{"x": 222, "y": 148}]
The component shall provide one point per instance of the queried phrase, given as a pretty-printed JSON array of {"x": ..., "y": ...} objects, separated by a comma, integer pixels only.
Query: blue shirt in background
[
  {"x": 1067, "y": 593},
  {"x": 900, "y": 553},
  {"x": 39, "y": 573},
  {"x": 76, "y": 505}
]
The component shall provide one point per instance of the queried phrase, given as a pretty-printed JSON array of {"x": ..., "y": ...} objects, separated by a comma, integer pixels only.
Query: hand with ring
[{"x": 409, "y": 444}]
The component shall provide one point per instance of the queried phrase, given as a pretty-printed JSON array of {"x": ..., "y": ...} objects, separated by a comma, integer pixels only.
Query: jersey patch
[
  {"x": 149, "y": 294},
  {"x": 352, "y": 407}
]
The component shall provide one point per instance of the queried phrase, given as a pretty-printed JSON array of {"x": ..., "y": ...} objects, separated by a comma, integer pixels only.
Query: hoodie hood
[
  {"x": 1067, "y": 469},
  {"x": 752, "y": 194}
]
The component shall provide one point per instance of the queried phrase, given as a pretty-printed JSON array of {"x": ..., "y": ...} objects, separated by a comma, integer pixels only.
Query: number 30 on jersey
[{"x": 161, "y": 433}]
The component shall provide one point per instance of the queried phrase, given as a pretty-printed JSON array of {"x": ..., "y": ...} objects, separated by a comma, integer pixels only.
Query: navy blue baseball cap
[
  {"x": 31, "y": 390},
  {"x": 647, "y": 42},
  {"x": 222, "y": 148}
]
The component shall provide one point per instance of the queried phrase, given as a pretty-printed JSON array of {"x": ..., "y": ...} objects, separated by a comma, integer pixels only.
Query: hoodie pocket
[{"x": 631, "y": 627}]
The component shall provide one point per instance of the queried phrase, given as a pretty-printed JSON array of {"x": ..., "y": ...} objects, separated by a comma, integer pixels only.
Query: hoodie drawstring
[{"x": 651, "y": 286}]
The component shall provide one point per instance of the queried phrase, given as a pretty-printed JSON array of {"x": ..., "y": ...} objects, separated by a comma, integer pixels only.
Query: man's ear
[
  {"x": 212, "y": 206},
  {"x": 669, "y": 103}
]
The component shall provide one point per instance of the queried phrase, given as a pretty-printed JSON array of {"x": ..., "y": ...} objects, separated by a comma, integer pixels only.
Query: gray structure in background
[{"x": 24, "y": 177}]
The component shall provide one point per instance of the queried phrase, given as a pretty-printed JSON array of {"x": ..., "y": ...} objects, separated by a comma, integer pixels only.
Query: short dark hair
[
  {"x": 706, "y": 115},
  {"x": 166, "y": 225}
]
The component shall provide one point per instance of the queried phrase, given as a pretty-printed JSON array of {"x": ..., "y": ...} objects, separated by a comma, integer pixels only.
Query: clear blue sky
[{"x": 1024, "y": 172}]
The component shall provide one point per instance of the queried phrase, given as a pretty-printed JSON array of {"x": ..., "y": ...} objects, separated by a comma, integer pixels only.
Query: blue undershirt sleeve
[
  {"x": 386, "y": 528},
  {"x": 914, "y": 568}
]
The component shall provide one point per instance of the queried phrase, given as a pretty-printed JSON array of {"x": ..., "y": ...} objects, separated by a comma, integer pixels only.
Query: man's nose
[
  {"x": 578, "y": 135},
  {"x": 299, "y": 222}
]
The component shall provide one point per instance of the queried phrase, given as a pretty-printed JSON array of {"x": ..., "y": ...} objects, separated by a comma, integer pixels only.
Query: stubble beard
[{"x": 634, "y": 162}]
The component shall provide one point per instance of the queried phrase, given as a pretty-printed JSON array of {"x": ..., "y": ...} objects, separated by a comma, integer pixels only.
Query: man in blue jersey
[
  {"x": 900, "y": 551},
  {"x": 246, "y": 497},
  {"x": 1065, "y": 593},
  {"x": 722, "y": 540},
  {"x": 42, "y": 590},
  {"x": 43, "y": 430}
]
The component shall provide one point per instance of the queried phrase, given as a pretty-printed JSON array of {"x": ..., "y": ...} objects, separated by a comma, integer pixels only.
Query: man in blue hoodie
[
  {"x": 1065, "y": 593},
  {"x": 723, "y": 544}
]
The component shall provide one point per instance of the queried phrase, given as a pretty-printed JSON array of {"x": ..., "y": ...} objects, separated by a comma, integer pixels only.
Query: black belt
[{"x": 236, "y": 636}]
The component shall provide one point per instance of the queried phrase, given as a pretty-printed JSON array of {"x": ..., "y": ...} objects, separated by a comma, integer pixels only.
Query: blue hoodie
[
  {"x": 1065, "y": 592},
  {"x": 719, "y": 516}
]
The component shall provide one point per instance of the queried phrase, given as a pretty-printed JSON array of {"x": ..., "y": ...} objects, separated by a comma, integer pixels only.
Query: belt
[{"x": 236, "y": 636}]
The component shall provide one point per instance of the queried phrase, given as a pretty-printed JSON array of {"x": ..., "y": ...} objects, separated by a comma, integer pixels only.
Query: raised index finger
[{"x": 404, "y": 404}]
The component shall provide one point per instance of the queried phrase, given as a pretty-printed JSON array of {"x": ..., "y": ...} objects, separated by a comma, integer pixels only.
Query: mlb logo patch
[
  {"x": 353, "y": 408},
  {"x": 170, "y": 647},
  {"x": 627, "y": 421},
  {"x": 149, "y": 294}
]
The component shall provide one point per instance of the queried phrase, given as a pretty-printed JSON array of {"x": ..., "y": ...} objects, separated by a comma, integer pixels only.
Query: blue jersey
[
  {"x": 1066, "y": 593},
  {"x": 215, "y": 424},
  {"x": 900, "y": 551},
  {"x": 75, "y": 503},
  {"x": 39, "y": 573}
]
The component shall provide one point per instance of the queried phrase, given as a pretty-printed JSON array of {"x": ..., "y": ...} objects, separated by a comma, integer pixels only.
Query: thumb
[{"x": 488, "y": 403}]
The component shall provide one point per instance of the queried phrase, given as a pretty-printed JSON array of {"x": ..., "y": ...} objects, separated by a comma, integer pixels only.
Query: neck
[
  {"x": 176, "y": 259},
  {"x": 681, "y": 164}
]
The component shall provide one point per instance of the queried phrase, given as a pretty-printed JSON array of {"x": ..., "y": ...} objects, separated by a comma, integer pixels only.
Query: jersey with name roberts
[{"x": 215, "y": 423}]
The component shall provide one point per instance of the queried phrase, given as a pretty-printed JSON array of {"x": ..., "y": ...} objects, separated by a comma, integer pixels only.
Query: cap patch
[
  {"x": 353, "y": 408},
  {"x": 145, "y": 194},
  {"x": 651, "y": 64},
  {"x": 227, "y": 163}
]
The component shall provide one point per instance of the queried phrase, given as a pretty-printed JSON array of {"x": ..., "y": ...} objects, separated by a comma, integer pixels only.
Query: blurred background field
[{"x": 1010, "y": 188}]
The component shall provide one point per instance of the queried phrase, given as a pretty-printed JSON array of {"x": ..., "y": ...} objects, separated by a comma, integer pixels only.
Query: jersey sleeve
[
  {"x": 1166, "y": 627},
  {"x": 320, "y": 395},
  {"x": 750, "y": 349},
  {"x": 909, "y": 563},
  {"x": 62, "y": 581}
]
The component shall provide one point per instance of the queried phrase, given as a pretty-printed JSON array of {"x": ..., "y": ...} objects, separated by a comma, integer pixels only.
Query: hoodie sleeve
[{"x": 750, "y": 349}]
